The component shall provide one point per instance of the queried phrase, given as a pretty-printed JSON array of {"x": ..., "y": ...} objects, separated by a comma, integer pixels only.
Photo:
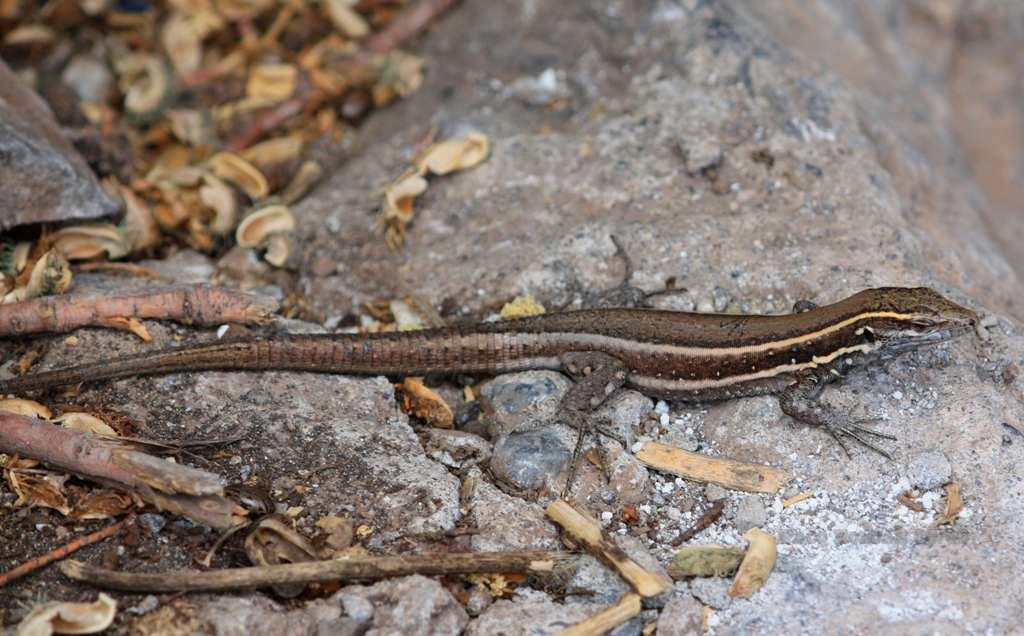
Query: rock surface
[
  {"x": 739, "y": 154},
  {"x": 43, "y": 177}
]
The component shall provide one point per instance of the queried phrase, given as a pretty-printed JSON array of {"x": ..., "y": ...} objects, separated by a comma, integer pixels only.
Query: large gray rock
[{"x": 43, "y": 179}]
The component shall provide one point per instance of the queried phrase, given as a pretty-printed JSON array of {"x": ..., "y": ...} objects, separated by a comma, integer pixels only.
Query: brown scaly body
[{"x": 676, "y": 355}]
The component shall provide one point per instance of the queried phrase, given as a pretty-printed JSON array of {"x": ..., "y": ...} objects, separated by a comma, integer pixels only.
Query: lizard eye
[{"x": 868, "y": 335}]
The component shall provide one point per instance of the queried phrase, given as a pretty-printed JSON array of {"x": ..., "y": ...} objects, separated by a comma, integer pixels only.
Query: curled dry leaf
[
  {"x": 234, "y": 169},
  {"x": 305, "y": 178},
  {"x": 281, "y": 251},
  {"x": 183, "y": 34},
  {"x": 151, "y": 92},
  {"x": 30, "y": 35},
  {"x": 398, "y": 205},
  {"x": 263, "y": 222},
  {"x": 69, "y": 618},
  {"x": 757, "y": 564},
  {"x": 139, "y": 226},
  {"x": 50, "y": 275},
  {"x": 85, "y": 423},
  {"x": 345, "y": 19},
  {"x": 455, "y": 154},
  {"x": 274, "y": 151},
  {"x": 236, "y": 10},
  {"x": 33, "y": 489},
  {"x": 83, "y": 242},
  {"x": 272, "y": 82},
  {"x": 216, "y": 195},
  {"x": 19, "y": 257},
  {"x": 273, "y": 542},
  {"x": 29, "y": 408},
  {"x": 192, "y": 127},
  {"x": 419, "y": 400}
]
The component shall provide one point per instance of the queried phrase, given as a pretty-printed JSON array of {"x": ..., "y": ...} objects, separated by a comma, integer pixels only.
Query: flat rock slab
[{"x": 43, "y": 179}]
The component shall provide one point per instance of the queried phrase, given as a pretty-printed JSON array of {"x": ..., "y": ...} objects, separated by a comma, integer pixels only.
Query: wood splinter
[
  {"x": 587, "y": 532},
  {"x": 727, "y": 473}
]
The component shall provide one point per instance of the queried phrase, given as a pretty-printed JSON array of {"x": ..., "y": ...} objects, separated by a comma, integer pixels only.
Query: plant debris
[
  {"x": 757, "y": 564},
  {"x": 69, "y": 618},
  {"x": 727, "y": 473}
]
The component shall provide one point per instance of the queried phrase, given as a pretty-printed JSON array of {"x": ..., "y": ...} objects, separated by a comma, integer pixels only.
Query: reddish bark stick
[
  {"x": 183, "y": 490},
  {"x": 197, "y": 305}
]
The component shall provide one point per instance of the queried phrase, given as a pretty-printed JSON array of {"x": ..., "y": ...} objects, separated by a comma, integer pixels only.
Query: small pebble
[{"x": 929, "y": 470}]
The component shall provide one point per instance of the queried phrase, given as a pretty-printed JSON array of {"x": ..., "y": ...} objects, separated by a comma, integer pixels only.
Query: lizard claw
[{"x": 857, "y": 432}]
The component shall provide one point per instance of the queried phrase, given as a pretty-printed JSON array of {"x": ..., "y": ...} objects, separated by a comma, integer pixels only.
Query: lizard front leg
[
  {"x": 597, "y": 376},
  {"x": 800, "y": 401}
]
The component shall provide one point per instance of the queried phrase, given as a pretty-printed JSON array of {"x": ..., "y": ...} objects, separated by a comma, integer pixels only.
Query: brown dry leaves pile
[{"x": 197, "y": 114}]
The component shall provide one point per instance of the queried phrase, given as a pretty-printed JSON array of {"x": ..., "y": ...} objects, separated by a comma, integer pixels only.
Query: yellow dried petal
[
  {"x": 82, "y": 242},
  {"x": 345, "y": 19}
]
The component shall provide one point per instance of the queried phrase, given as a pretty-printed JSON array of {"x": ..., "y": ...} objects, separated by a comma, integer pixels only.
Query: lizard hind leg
[
  {"x": 800, "y": 401},
  {"x": 597, "y": 376}
]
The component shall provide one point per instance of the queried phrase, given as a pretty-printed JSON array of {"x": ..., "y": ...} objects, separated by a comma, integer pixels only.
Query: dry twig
[
  {"x": 192, "y": 493},
  {"x": 195, "y": 304},
  {"x": 587, "y": 532},
  {"x": 56, "y": 554},
  {"x": 538, "y": 562},
  {"x": 709, "y": 517}
]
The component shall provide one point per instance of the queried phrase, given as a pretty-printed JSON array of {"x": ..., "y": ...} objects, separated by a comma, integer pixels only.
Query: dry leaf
[
  {"x": 85, "y": 423},
  {"x": 104, "y": 504},
  {"x": 139, "y": 227},
  {"x": 69, "y": 618},
  {"x": 954, "y": 505},
  {"x": 33, "y": 489},
  {"x": 423, "y": 402},
  {"x": 273, "y": 542},
  {"x": 398, "y": 75},
  {"x": 455, "y": 154},
  {"x": 83, "y": 242},
  {"x": 274, "y": 151},
  {"x": 233, "y": 169},
  {"x": 397, "y": 210},
  {"x": 262, "y": 223},
  {"x": 272, "y": 82},
  {"x": 217, "y": 196},
  {"x": 304, "y": 179},
  {"x": 51, "y": 275},
  {"x": 345, "y": 19},
  {"x": 150, "y": 92},
  {"x": 29, "y": 408}
]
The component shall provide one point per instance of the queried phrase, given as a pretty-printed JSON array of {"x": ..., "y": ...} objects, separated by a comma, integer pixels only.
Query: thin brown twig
[
  {"x": 63, "y": 551},
  {"x": 710, "y": 516},
  {"x": 539, "y": 562}
]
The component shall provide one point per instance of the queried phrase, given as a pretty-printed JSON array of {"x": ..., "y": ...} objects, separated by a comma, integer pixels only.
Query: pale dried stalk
[
  {"x": 604, "y": 621},
  {"x": 587, "y": 532},
  {"x": 757, "y": 564},
  {"x": 727, "y": 473}
]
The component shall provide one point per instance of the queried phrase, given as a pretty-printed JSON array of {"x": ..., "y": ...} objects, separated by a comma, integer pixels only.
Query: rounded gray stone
[
  {"x": 929, "y": 470},
  {"x": 522, "y": 401},
  {"x": 525, "y": 460}
]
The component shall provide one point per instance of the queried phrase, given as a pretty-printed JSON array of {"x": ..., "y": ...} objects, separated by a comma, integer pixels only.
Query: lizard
[{"x": 690, "y": 357}]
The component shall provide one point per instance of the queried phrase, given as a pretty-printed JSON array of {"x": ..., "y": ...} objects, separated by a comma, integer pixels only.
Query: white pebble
[
  {"x": 661, "y": 407},
  {"x": 897, "y": 395},
  {"x": 664, "y": 419},
  {"x": 606, "y": 517}
]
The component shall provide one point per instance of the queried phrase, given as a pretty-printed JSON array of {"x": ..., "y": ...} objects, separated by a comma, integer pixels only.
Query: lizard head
[{"x": 916, "y": 316}]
